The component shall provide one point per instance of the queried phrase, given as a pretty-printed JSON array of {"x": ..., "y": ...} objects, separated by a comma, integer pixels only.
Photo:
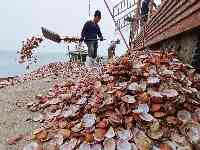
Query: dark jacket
[
  {"x": 90, "y": 31},
  {"x": 145, "y": 7}
]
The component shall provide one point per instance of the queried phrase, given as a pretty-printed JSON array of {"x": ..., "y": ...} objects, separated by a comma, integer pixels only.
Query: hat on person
[{"x": 97, "y": 13}]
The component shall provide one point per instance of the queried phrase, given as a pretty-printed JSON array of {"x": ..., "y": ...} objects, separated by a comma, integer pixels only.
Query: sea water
[{"x": 9, "y": 65}]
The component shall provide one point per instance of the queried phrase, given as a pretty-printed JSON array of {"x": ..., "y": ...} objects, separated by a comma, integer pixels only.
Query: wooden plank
[
  {"x": 183, "y": 16},
  {"x": 176, "y": 17},
  {"x": 185, "y": 25}
]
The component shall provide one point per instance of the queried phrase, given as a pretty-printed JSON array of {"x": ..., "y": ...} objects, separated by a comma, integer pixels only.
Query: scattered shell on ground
[
  {"x": 114, "y": 118},
  {"x": 84, "y": 146},
  {"x": 192, "y": 131},
  {"x": 155, "y": 94},
  {"x": 71, "y": 111},
  {"x": 108, "y": 100},
  {"x": 156, "y": 134},
  {"x": 129, "y": 99},
  {"x": 109, "y": 144},
  {"x": 110, "y": 133},
  {"x": 167, "y": 72},
  {"x": 138, "y": 66},
  {"x": 88, "y": 120},
  {"x": 54, "y": 101},
  {"x": 142, "y": 108},
  {"x": 179, "y": 139},
  {"x": 38, "y": 117},
  {"x": 123, "y": 145},
  {"x": 102, "y": 124},
  {"x": 124, "y": 134},
  {"x": 99, "y": 134},
  {"x": 65, "y": 133},
  {"x": 96, "y": 147},
  {"x": 153, "y": 80},
  {"x": 172, "y": 120},
  {"x": 155, "y": 107},
  {"x": 14, "y": 139},
  {"x": 69, "y": 145},
  {"x": 82, "y": 100},
  {"x": 133, "y": 86},
  {"x": 184, "y": 116},
  {"x": 159, "y": 114},
  {"x": 77, "y": 127},
  {"x": 170, "y": 93},
  {"x": 146, "y": 117},
  {"x": 141, "y": 140},
  {"x": 32, "y": 146},
  {"x": 59, "y": 139},
  {"x": 89, "y": 138},
  {"x": 42, "y": 136}
]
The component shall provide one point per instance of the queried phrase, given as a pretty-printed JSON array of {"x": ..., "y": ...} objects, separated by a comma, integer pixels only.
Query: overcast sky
[{"x": 22, "y": 18}]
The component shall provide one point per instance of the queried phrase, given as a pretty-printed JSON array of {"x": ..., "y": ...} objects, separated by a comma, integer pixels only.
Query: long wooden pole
[
  {"x": 116, "y": 24},
  {"x": 89, "y": 8}
]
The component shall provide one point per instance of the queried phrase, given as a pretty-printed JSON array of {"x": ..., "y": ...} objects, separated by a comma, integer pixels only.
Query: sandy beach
[
  {"x": 14, "y": 115},
  {"x": 125, "y": 101}
]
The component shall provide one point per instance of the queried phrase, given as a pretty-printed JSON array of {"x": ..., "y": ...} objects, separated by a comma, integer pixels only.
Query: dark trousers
[{"x": 92, "y": 48}]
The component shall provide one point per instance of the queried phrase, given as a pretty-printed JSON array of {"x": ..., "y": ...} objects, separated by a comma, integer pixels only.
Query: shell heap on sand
[
  {"x": 146, "y": 100},
  {"x": 60, "y": 69}
]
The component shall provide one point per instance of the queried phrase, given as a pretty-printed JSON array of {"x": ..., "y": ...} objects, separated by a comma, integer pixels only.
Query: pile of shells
[
  {"x": 55, "y": 70},
  {"x": 147, "y": 100}
]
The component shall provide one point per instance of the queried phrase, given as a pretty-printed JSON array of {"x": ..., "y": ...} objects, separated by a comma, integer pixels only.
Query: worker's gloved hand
[{"x": 101, "y": 38}]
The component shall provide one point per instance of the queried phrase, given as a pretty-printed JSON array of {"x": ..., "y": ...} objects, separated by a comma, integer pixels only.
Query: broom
[{"x": 56, "y": 37}]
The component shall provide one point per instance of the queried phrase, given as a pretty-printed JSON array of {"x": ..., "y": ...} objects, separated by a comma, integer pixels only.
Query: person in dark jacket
[
  {"x": 89, "y": 35},
  {"x": 145, "y": 9}
]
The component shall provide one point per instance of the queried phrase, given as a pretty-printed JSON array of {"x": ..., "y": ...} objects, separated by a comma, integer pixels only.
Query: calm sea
[{"x": 9, "y": 65}]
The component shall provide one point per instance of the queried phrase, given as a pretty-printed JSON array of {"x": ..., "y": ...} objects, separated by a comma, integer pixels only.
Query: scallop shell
[
  {"x": 184, "y": 116},
  {"x": 109, "y": 144},
  {"x": 59, "y": 139},
  {"x": 129, "y": 99},
  {"x": 82, "y": 101},
  {"x": 110, "y": 133},
  {"x": 123, "y": 145},
  {"x": 71, "y": 111},
  {"x": 77, "y": 128},
  {"x": 99, "y": 134},
  {"x": 156, "y": 134},
  {"x": 84, "y": 146},
  {"x": 32, "y": 146},
  {"x": 146, "y": 117},
  {"x": 133, "y": 86},
  {"x": 96, "y": 147},
  {"x": 88, "y": 120},
  {"x": 124, "y": 134},
  {"x": 192, "y": 132},
  {"x": 142, "y": 108},
  {"x": 153, "y": 80},
  {"x": 170, "y": 93}
]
